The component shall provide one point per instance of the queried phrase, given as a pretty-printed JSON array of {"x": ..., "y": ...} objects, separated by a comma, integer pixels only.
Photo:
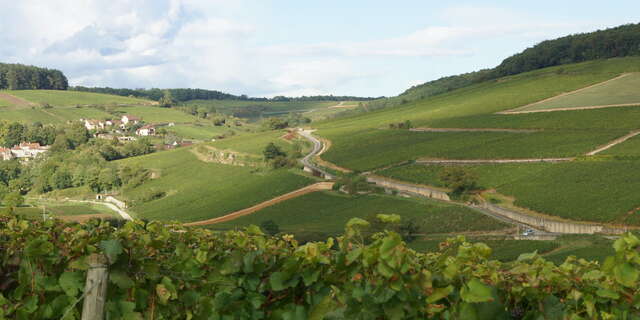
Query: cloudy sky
[{"x": 285, "y": 47}]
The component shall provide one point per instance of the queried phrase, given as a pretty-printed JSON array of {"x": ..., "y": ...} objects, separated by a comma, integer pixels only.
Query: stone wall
[{"x": 409, "y": 188}]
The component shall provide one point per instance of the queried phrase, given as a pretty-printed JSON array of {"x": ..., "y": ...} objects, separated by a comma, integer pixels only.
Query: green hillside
[
  {"x": 71, "y": 98},
  {"x": 192, "y": 189},
  {"x": 365, "y": 142}
]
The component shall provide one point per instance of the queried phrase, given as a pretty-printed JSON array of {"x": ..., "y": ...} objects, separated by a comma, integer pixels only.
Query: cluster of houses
[
  {"x": 24, "y": 151},
  {"x": 118, "y": 125}
]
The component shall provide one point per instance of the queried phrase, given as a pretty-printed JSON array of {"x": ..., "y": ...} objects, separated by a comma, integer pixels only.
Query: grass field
[
  {"x": 253, "y": 143},
  {"x": 623, "y": 90},
  {"x": 196, "y": 190},
  {"x": 198, "y": 131},
  {"x": 72, "y": 98},
  {"x": 603, "y": 191},
  {"x": 153, "y": 114},
  {"x": 328, "y": 212}
]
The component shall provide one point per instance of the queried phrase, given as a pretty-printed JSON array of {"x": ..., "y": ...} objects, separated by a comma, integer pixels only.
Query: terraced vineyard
[
  {"x": 597, "y": 191},
  {"x": 325, "y": 213},
  {"x": 622, "y": 90}
]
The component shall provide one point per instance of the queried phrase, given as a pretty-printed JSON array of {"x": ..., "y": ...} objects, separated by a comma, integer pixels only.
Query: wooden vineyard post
[{"x": 95, "y": 288}]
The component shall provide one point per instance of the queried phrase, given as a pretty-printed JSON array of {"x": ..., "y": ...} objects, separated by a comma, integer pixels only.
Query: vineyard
[
  {"x": 562, "y": 189},
  {"x": 166, "y": 272}
]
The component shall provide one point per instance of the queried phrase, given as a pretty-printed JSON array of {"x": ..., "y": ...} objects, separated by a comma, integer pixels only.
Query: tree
[
  {"x": 13, "y": 200},
  {"x": 270, "y": 227},
  {"x": 271, "y": 151},
  {"x": 459, "y": 179},
  {"x": 167, "y": 100}
]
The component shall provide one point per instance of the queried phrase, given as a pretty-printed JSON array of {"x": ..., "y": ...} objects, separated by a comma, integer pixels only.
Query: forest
[{"x": 23, "y": 77}]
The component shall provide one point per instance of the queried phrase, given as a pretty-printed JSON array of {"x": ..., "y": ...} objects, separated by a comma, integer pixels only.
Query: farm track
[
  {"x": 492, "y": 161},
  {"x": 614, "y": 143},
  {"x": 18, "y": 102},
  {"x": 320, "y": 186},
  {"x": 474, "y": 130}
]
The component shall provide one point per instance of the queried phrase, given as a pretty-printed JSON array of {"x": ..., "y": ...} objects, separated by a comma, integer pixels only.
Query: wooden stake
[{"x": 95, "y": 288}]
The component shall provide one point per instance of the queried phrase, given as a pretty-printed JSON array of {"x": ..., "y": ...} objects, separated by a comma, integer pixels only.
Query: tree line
[
  {"x": 23, "y": 77},
  {"x": 188, "y": 94}
]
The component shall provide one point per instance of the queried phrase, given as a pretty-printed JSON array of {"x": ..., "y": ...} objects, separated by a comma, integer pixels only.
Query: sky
[{"x": 285, "y": 47}]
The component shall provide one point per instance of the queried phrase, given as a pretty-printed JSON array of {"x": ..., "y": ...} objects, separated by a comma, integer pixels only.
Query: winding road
[{"x": 317, "y": 148}]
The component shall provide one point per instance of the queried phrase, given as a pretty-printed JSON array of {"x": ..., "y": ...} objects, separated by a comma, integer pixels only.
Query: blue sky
[{"x": 285, "y": 47}]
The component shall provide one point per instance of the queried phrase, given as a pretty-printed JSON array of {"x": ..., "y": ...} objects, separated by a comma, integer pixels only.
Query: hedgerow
[{"x": 169, "y": 272}]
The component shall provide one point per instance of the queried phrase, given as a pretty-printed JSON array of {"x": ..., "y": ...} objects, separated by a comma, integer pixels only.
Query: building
[
  {"x": 147, "y": 130},
  {"x": 5, "y": 154},
  {"x": 94, "y": 124},
  {"x": 112, "y": 123},
  {"x": 126, "y": 139},
  {"x": 26, "y": 151},
  {"x": 130, "y": 120}
]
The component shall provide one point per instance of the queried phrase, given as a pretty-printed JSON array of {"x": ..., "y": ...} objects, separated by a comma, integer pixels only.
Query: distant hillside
[
  {"x": 620, "y": 41},
  {"x": 22, "y": 77},
  {"x": 188, "y": 94}
]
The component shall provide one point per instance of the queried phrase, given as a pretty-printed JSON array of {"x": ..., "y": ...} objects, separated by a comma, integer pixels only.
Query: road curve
[{"x": 317, "y": 147}]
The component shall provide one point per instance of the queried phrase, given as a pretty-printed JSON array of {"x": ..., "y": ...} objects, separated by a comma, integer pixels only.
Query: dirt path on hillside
[
  {"x": 519, "y": 110},
  {"x": 614, "y": 143},
  {"x": 18, "y": 102},
  {"x": 474, "y": 130},
  {"x": 320, "y": 186},
  {"x": 491, "y": 161}
]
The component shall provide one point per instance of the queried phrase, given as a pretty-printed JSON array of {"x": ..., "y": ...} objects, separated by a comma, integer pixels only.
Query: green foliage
[
  {"x": 18, "y": 77},
  {"x": 270, "y": 227},
  {"x": 271, "y": 151},
  {"x": 459, "y": 179},
  {"x": 167, "y": 100},
  {"x": 171, "y": 271},
  {"x": 13, "y": 200}
]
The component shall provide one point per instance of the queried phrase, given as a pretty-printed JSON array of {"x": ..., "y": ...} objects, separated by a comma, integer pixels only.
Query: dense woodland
[
  {"x": 620, "y": 41},
  {"x": 22, "y": 77}
]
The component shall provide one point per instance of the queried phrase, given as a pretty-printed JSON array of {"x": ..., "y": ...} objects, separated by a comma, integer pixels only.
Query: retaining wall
[{"x": 403, "y": 187}]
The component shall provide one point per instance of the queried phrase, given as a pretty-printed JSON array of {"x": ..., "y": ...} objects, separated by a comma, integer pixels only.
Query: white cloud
[{"x": 210, "y": 44}]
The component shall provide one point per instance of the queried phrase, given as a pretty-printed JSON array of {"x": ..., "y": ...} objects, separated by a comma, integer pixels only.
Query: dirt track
[
  {"x": 474, "y": 130},
  {"x": 320, "y": 186},
  {"x": 15, "y": 100},
  {"x": 491, "y": 161},
  {"x": 614, "y": 142}
]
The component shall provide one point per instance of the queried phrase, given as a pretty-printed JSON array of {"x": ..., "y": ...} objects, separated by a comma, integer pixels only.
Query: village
[{"x": 126, "y": 129}]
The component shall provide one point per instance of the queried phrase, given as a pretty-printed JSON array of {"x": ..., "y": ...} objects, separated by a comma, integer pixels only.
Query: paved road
[{"x": 317, "y": 147}]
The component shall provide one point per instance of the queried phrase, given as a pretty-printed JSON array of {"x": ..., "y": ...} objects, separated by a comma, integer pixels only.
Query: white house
[
  {"x": 26, "y": 150},
  {"x": 126, "y": 119},
  {"x": 5, "y": 154},
  {"x": 94, "y": 124},
  {"x": 147, "y": 130}
]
